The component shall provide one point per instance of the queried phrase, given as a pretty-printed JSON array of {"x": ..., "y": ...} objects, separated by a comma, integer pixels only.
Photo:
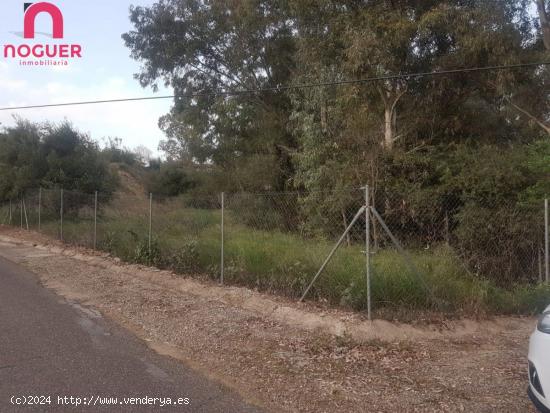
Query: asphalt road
[{"x": 51, "y": 347}]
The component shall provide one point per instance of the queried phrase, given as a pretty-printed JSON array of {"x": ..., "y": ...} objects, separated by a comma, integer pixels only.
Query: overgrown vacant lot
[
  {"x": 264, "y": 256},
  {"x": 282, "y": 364}
]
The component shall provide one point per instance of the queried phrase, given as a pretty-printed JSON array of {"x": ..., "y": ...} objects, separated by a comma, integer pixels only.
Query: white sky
[{"x": 105, "y": 72}]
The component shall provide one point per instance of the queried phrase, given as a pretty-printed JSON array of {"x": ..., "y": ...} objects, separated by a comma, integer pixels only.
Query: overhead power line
[{"x": 238, "y": 92}]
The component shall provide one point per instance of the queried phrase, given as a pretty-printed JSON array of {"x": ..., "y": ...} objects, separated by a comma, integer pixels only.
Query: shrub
[
  {"x": 499, "y": 243},
  {"x": 262, "y": 211},
  {"x": 186, "y": 259},
  {"x": 146, "y": 255}
]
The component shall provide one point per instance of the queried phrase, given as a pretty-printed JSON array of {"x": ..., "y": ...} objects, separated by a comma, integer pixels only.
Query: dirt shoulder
[{"x": 292, "y": 357}]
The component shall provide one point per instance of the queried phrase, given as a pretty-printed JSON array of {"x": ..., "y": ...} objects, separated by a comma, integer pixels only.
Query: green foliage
[
  {"x": 211, "y": 47},
  {"x": 282, "y": 262},
  {"x": 342, "y": 131},
  {"x": 538, "y": 165},
  {"x": 494, "y": 227},
  {"x": 529, "y": 300},
  {"x": 186, "y": 259},
  {"x": 500, "y": 242},
  {"x": 115, "y": 153},
  {"x": 168, "y": 181},
  {"x": 108, "y": 242},
  {"x": 260, "y": 212},
  {"x": 74, "y": 161},
  {"x": 50, "y": 155},
  {"x": 463, "y": 149},
  {"x": 147, "y": 254},
  {"x": 22, "y": 163}
]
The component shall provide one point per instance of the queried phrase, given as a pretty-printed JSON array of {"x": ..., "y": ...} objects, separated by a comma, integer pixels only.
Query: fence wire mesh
[
  {"x": 278, "y": 241},
  {"x": 123, "y": 228},
  {"x": 187, "y": 234},
  {"x": 454, "y": 254}
]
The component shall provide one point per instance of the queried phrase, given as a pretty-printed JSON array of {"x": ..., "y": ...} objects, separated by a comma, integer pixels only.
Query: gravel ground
[{"x": 289, "y": 360}]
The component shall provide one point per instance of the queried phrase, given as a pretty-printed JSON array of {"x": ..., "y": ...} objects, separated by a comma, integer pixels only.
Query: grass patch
[{"x": 187, "y": 240}]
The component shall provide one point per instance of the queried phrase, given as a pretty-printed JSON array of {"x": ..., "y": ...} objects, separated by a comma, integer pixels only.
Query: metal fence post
[
  {"x": 546, "y": 241},
  {"x": 21, "y": 210},
  {"x": 11, "y": 208},
  {"x": 150, "y": 222},
  {"x": 367, "y": 250},
  {"x": 223, "y": 238},
  {"x": 61, "y": 217},
  {"x": 539, "y": 249},
  {"x": 39, "y": 209},
  {"x": 95, "y": 221}
]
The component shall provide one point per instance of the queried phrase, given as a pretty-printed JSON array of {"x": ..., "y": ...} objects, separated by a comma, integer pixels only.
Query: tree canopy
[
  {"x": 51, "y": 156},
  {"x": 208, "y": 48}
]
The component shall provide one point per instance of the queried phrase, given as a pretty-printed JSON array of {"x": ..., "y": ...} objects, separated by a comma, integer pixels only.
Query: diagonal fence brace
[{"x": 340, "y": 241}]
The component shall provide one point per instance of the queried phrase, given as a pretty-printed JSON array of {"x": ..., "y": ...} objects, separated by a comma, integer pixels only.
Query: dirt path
[{"x": 281, "y": 355}]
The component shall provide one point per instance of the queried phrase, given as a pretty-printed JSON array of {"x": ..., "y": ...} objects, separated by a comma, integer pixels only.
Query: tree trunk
[
  {"x": 544, "y": 23},
  {"x": 390, "y": 98},
  {"x": 533, "y": 118},
  {"x": 389, "y": 127}
]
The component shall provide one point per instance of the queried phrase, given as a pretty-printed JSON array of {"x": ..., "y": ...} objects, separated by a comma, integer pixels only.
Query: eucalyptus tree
[
  {"x": 543, "y": 8},
  {"x": 377, "y": 38},
  {"x": 342, "y": 135},
  {"x": 205, "y": 49}
]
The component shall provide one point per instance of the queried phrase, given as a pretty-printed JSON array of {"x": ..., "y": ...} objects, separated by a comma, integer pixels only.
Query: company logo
[
  {"x": 33, "y": 10},
  {"x": 42, "y": 54}
]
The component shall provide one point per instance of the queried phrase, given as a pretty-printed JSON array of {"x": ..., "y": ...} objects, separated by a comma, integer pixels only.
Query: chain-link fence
[{"x": 439, "y": 254}]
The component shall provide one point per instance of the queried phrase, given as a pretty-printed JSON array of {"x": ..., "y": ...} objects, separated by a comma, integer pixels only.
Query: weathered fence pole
[
  {"x": 21, "y": 211},
  {"x": 546, "y": 243},
  {"x": 95, "y": 221},
  {"x": 61, "y": 217},
  {"x": 539, "y": 249},
  {"x": 150, "y": 223},
  {"x": 39, "y": 209},
  {"x": 11, "y": 218},
  {"x": 223, "y": 238},
  {"x": 367, "y": 250}
]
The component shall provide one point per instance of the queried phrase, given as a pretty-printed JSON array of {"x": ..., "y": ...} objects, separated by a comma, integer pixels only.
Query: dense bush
[
  {"x": 500, "y": 243},
  {"x": 265, "y": 211},
  {"x": 168, "y": 180},
  {"x": 486, "y": 201},
  {"x": 115, "y": 153},
  {"x": 51, "y": 156}
]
